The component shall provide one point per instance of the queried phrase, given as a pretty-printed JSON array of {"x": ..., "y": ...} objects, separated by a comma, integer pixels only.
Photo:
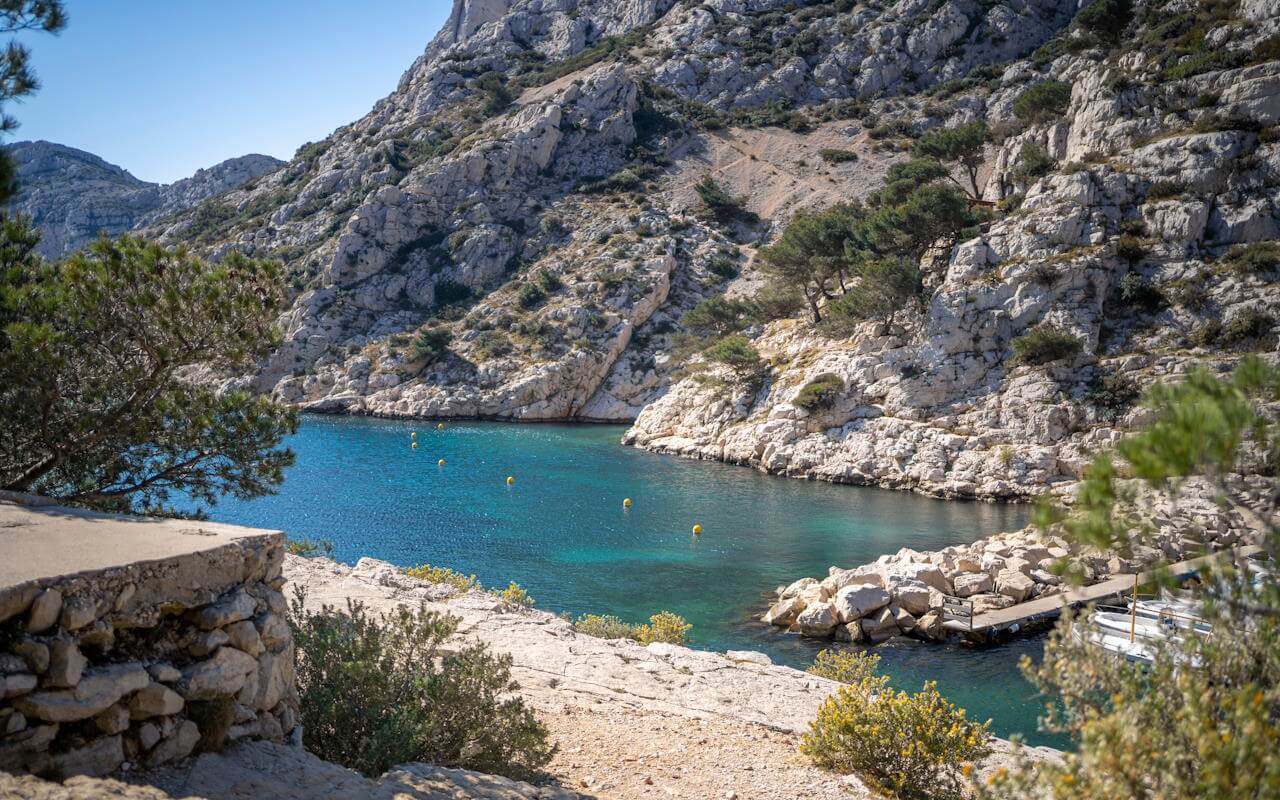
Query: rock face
[
  {"x": 98, "y": 668},
  {"x": 527, "y": 196},
  {"x": 73, "y": 196}
]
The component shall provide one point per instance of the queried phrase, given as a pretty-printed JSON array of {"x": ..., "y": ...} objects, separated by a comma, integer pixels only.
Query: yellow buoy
[
  {"x": 697, "y": 529},
  {"x": 510, "y": 480},
  {"x": 441, "y": 462},
  {"x": 414, "y": 445},
  {"x": 413, "y": 434},
  {"x": 626, "y": 503},
  {"x": 440, "y": 426}
]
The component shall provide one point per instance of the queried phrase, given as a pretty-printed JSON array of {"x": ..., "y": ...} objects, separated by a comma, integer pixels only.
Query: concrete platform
[{"x": 41, "y": 541}]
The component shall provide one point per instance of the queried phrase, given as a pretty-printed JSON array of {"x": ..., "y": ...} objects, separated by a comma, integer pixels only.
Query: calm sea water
[{"x": 561, "y": 532}]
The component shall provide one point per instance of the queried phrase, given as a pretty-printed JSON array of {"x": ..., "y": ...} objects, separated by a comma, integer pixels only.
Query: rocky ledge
[{"x": 904, "y": 593}]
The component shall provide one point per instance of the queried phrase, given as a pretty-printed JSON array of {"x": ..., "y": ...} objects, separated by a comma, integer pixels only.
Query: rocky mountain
[
  {"x": 518, "y": 230},
  {"x": 72, "y": 195}
]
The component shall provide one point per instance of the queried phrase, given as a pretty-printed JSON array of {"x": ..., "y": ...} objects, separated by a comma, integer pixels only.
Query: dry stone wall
[{"x": 136, "y": 662}]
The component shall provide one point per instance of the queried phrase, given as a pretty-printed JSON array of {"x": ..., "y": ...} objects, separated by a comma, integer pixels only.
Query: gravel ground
[{"x": 616, "y": 754}]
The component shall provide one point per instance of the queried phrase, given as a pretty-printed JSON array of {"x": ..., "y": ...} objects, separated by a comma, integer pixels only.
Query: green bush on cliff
[
  {"x": 905, "y": 745},
  {"x": 846, "y": 666},
  {"x": 1045, "y": 344},
  {"x": 380, "y": 691},
  {"x": 820, "y": 393},
  {"x": 661, "y": 627},
  {"x": 1042, "y": 102},
  {"x": 430, "y": 574}
]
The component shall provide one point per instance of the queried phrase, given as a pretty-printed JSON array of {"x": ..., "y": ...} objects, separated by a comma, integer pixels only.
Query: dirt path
[{"x": 642, "y": 755}]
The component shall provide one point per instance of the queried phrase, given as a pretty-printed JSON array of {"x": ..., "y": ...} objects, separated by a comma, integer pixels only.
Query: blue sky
[{"x": 164, "y": 87}]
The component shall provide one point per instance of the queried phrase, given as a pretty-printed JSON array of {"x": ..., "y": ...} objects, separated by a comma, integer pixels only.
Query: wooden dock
[{"x": 1021, "y": 615}]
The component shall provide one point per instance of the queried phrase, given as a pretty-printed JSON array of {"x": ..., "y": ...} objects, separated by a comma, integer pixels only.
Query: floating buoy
[
  {"x": 413, "y": 434},
  {"x": 440, "y": 426},
  {"x": 626, "y": 503},
  {"x": 697, "y": 529},
  {"x": 441, "y": 462},
  {"x": 414, "y": 445},
  {"x": 510, "y": 480}
]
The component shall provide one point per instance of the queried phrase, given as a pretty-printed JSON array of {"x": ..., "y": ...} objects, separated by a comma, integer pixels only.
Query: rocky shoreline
[{"x": 904, "y": 593}]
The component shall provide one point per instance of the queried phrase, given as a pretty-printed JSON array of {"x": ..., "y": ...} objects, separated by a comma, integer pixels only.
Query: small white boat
[
  {"x": 1134, "y": 638},
  {"x": 1172, "y": 612}
]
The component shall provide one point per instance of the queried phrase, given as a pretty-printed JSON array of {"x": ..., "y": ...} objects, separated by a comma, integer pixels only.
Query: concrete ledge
[{"x": 40, "y": 540}]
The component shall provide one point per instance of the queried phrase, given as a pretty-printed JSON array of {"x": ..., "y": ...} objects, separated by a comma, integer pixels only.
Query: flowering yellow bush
[
  {"x": 515, "y": 596},
  {"x": 908, "y": 746},
  {"x": 846, "y": 666},
  {"x": 426, "y": 572},
  {"x": 663, "y": 627}
]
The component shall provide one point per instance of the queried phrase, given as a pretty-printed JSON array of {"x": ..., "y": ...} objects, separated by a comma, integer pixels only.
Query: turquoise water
[{"x": 562, "y": 533}]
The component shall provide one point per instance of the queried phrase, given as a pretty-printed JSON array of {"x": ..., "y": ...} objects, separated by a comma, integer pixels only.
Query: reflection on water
[{"x": 561, "y": 531}]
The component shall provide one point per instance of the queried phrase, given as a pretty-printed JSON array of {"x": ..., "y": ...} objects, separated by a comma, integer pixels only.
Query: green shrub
[
  {"x": 1160, "y": 190},
  {"x": 430, "y": 344},
  {"x": 776, "y": 301},
  {"x": 722, "y": 266},
  {"x": 516, "y": 597},
  {"x": 1130, "y": 248},
  {"x": 1042, "y": 102},
  {"x": 1255, "y": 258},
  {"x": 722, "y": 205},
  {"x": 820, "y": 393},
  {"x": 663, "y": 627},
  {"x": 715, "y": 316},
  {"x": 1112, "y": 394},
  {"x": 847, "y": 666},
  {"x": 549, "y": 282},
  {"x": 604, "y": 627},
  {"x": 1105, "y": 19},
  {"x": 376, "y": 692},
  {"x": 308, "y": 548},
  {"x": 907, "y": 746},
  {"x": 492, "y": 344},
  {"x": 430, "y": 574},
  {"x": 1248, "y": 326},
  {"x": 1140, "y": 293},
  {"x": 1044, "y": 344},
  {"x": 497, "y": 96},
  {"x": 530, "y": 294},
  {"x": 835, "y": 155},
  {"x": 737, "y": 353},
  {"x": 1033, "y": 161},
  {"x": 1192, "y": 293},
  {"x": 448, "y": 292}
]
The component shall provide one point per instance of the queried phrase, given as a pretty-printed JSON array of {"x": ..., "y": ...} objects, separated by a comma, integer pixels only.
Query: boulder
[
  {"x": 114, "y": 720},
  {"x": 818, "y": 619},
  {"x": 34, "y": 653},
  {"x": 797, "y": 587},
  {"x": 930, "y": 626},
  {"x": 16, "y": 684},
  {"x": 879, "y": 627},
  {"x": 840, "y": 578},
  {"x": 966, "y": 564},
  {"x": 913, "y": 595},
  {"x": 1015, "y": 585},
  {"x": 857, "y": 601},
  {"x": 16, "y": 599},
  {"x": 273, "y": 630},
  {"x": 972, "y": 583},
  {"x": 926, "y": 573},
  {"x": 1045, "y": 577},
  {"x": 784, "y": 612}
]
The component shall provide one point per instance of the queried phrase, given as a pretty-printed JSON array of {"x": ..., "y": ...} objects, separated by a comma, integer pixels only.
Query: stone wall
[{"x": 129, "y": 642}]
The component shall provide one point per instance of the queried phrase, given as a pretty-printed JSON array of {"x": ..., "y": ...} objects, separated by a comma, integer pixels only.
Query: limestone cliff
[
  {"x": 514, "y": 232},
  {"x": 73, "y": 196}
]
